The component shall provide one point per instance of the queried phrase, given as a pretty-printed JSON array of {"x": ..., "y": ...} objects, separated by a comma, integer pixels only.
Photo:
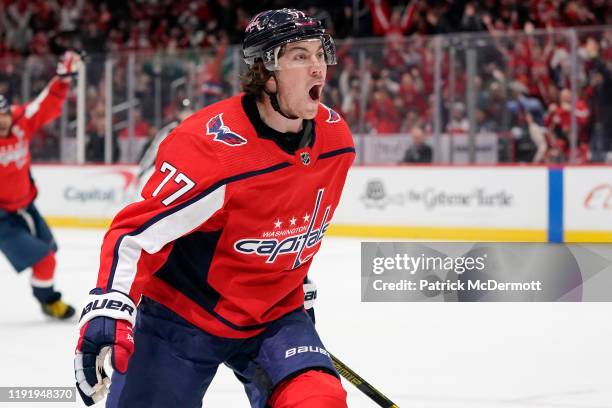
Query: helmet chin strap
[{"x": 274, "y": 101}]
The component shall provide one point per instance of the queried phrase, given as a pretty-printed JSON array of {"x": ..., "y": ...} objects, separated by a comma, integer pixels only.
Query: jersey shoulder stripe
[{"x": 337, "y": 152}]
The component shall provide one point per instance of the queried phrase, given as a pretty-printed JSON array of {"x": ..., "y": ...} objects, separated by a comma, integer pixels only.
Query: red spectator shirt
[
  {"x": 17, "y": 189},
  {"x": 141, "y": 129},
  {"x": 229, "y": 222},
  {"x": 562, "y": 116}
]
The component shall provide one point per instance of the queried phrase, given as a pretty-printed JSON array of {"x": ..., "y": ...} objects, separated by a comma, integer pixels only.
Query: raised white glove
[{"x": 69, "y": 64}]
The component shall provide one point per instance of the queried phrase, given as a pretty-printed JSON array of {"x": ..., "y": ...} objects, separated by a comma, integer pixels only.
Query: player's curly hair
[{"x": 253, "y": 81}]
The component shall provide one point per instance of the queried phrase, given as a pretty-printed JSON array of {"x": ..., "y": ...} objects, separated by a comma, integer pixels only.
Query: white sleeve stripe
[
  {"x": 34, "y": 106},
  {"x": 160, "y": 233}
]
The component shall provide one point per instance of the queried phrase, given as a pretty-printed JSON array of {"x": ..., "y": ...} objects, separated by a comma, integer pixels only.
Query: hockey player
[
  {"x": 209, "y": 267},
  {"x": 25, "y": 238}
]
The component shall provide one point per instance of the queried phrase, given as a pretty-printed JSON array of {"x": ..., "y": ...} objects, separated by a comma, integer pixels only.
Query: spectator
[
  {"x": 96, "y": 130},
  {"x": 419, "y": 151},
  {"x": 576, "y": 13},
  {"x": 471, "y": 21},
  {"x": 351, "y": 83},
  {"x": 45, "y": 16},
  {"x": 413, "y": 119},
  {"x": 392, "y": 25},
  {"x": 131, "y": 147},
  {"x": 522, "y": 101},
  {"x": 105, "y": 17},
  {"x": 383, "y": 116},
  {"x": 17, "y": 22},
  {"x": 93, "y": 38},
  {"x": 538, "y": 137},
  {"x": 559, "y": 119},
  {"x": 485, "y": 122},
  {"x": 70, "y": 14},
  {"x": 411, "y": 90},
  {"x": 601, "y": 78},
  {"x": 459, "y": 124},
  {"x": 210, "y": 78}
]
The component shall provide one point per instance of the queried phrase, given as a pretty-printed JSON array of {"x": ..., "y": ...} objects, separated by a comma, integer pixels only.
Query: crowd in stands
[
  {"x": 382, "y": 86},
  {"x": 522, "y": 86},
  {"x": 35, "y": 26}
]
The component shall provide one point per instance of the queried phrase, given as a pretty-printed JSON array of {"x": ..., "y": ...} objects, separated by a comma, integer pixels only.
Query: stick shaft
[{"x": 362, "y": 384}]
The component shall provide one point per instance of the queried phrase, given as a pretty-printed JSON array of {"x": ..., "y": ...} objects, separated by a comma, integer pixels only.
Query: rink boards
[{"x": 472, "y": 203}]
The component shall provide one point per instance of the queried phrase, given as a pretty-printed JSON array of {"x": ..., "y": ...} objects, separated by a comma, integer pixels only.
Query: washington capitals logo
[
  {"x": 333, "y": 116},
  {"x": 16, "y": 153},
  {"x": 215, "y": 127},
  {"x": 306, "y": 237}
]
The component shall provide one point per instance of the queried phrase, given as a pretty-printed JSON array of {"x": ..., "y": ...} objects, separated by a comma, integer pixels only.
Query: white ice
[{"x": 425, "y": 355}]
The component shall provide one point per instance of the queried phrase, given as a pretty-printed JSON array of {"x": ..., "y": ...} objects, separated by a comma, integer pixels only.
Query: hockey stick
[{"x": 362, "y": 384}]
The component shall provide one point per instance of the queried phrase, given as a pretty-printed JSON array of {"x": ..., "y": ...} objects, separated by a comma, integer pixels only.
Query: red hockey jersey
[
  {"x": 16, "y": 187},
  {"x": 230, "y": 221}
]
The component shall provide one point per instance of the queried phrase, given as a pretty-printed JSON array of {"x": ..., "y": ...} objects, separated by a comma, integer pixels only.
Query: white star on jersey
[
  {"x": 278, "y": 223},
  {"x": 306, "y": 218},
  {"x": 292, "y": 221}
]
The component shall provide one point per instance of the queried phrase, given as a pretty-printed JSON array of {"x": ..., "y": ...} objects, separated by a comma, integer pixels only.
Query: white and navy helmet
[
  {"x": 272, "y": 29},
  {"x": 5, "y": 106}
]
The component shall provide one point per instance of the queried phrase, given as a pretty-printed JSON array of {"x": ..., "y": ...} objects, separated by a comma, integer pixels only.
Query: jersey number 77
[{"x": 178, "y": 179}]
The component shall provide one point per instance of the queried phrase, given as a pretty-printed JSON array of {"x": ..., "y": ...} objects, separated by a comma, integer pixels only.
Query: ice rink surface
[{"x": 425, "y": 355}]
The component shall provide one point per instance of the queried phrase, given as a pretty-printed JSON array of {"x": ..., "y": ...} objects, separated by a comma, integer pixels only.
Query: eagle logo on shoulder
[
  {"x": 333, "y": 116},
  {"x": 215, "y": 127}
]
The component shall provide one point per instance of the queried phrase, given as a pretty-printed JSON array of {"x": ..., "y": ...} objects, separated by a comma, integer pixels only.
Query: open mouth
[{"x": 315, "y": 92}]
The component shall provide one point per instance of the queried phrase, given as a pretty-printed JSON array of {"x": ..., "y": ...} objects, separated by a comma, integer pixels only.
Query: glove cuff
[
  {"x": 115, "y": 305},
  {"x": 310, "y": 294}
]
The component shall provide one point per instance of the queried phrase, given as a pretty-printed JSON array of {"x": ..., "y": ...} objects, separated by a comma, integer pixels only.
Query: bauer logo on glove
[{"x": 107, "y": 304}]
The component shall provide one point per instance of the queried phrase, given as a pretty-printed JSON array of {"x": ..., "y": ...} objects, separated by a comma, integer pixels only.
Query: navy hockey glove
[
  {"x": 310, "y": 294},
  {"x": 105, "y": 327}
]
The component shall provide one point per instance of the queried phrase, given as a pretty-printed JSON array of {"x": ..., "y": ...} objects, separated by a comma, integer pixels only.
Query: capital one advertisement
[
  {"x": 588, "y": 202},
  {"x": 85, "y": 192}
]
